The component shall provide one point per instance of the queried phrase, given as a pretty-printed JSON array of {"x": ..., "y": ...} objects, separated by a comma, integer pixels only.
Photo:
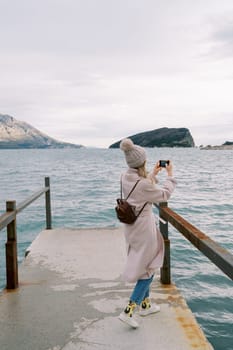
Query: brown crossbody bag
[{"x": 126, "y": 212}]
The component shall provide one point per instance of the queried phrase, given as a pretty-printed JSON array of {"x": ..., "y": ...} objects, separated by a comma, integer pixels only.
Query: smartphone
[{"x": 163, "y": 163}]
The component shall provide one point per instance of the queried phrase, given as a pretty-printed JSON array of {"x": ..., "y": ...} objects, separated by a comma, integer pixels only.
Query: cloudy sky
[{"x": 94, "y": 71}]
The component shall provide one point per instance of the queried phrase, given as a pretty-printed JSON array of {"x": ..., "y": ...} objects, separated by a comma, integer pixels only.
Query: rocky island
[
  {"x": 17, "y": 134},
  {"x": 225, "y": 146},
  {"x": 162, "y": 137}
]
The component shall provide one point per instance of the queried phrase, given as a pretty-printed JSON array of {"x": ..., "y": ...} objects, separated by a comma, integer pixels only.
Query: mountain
[
  {"x": 17, "y": 134},
  {"x": 163, "y": 137}
]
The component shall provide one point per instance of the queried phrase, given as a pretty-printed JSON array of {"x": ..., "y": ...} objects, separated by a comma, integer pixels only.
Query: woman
[{"x": 144, "y": 242}]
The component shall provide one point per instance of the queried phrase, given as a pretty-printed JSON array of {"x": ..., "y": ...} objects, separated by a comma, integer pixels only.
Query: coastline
[{"x": 221, "y": 147}]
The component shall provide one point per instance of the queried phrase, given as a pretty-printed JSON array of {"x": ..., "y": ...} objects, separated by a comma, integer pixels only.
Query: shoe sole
[
  {"x": 126, "y": 321},
  {"x": 150, "y": 313}
]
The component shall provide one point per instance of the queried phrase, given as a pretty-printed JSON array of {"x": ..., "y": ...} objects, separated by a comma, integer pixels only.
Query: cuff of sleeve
[
  {"x": 172, "y": 179},
  {"x": 153, "y": 177}
]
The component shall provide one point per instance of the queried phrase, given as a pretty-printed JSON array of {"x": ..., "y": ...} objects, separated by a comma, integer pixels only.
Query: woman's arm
[{"x": 155, "y": 193}]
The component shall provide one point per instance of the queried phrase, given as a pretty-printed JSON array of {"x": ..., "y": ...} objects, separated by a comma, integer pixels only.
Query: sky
[{"x": 92, "y": 72}]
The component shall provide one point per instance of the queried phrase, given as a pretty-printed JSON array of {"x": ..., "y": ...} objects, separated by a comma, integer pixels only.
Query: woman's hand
[
  {"x": 156, "y": 169},
  {"x": 168, "y": 168}
]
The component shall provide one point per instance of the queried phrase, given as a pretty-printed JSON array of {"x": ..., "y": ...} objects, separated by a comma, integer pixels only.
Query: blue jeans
[{"x": 141, "y": 290}]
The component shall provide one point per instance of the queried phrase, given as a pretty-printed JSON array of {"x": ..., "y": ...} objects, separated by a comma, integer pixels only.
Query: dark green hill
[{"x": 163, "y": 137}]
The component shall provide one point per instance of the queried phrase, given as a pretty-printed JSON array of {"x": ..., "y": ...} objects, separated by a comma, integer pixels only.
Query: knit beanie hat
[{"x": 135, "y": 155}]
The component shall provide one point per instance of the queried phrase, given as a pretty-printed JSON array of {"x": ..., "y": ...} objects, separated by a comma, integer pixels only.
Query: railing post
[
  {"x": 11, "y": 250},
  {"x": 165, "y": 271},
  {"x": 48, "y": 205}
]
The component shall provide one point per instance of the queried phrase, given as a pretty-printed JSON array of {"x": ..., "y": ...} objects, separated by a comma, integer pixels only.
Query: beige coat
[{"x": 144, "y": 242}]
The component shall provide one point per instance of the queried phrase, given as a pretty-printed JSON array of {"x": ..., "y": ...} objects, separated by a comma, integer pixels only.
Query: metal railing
[
  {"x": 8, "y": 220},
  {"x": 222, "y": 258},
  {"x": 217, "y": 254}
]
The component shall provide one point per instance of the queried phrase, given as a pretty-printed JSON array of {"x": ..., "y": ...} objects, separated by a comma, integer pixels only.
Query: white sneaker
[
  {"x": 146, "y": 308},
  {"x": 127, "y": 316},
  {"x": 128, "y": 320}
]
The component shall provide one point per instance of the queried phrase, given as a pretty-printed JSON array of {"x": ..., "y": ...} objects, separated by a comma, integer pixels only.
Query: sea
[{"x": 84, "y": 187}]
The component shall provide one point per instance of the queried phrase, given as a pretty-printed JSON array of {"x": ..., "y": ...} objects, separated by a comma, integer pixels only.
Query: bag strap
[
  {"x": 130, "y": 194},
  {"x": 131, "y": 189},
  {"x": 142, "y": 208}
]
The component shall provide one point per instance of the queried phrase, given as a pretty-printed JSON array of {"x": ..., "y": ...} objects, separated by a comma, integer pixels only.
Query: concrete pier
[{"x": 71, "y": 294}]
